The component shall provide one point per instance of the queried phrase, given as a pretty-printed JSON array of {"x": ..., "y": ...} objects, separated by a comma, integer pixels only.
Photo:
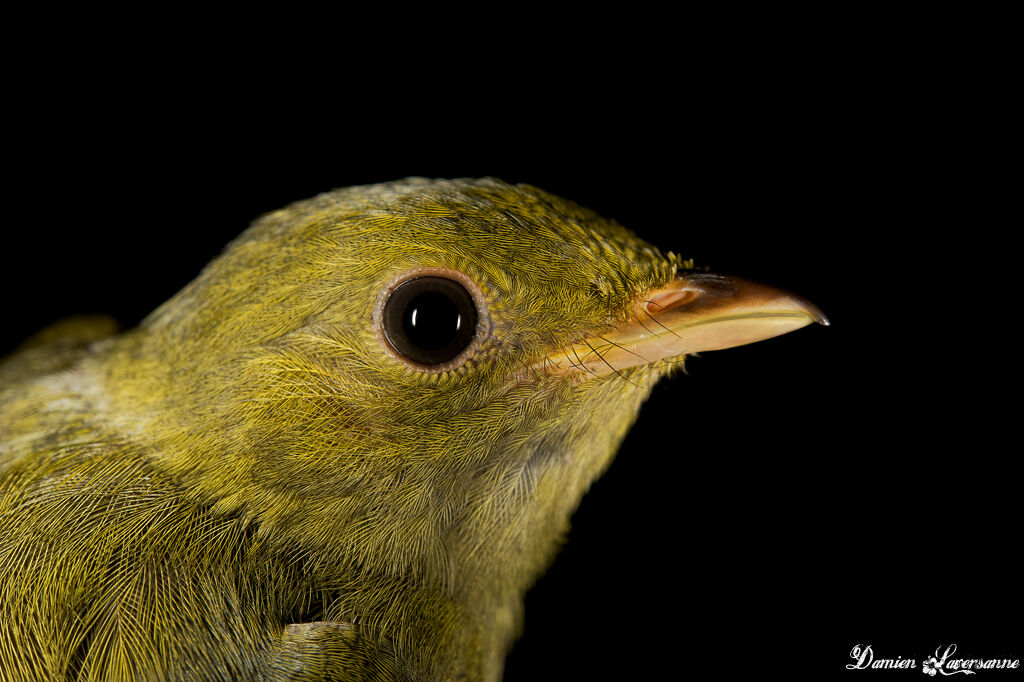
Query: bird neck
[{"x": 432, "y": 546}]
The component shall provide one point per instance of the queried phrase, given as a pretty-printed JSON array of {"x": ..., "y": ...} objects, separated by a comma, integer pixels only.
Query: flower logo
[{"x": 931, "y": 666}]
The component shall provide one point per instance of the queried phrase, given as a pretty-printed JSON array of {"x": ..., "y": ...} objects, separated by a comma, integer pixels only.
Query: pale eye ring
[{"x": 432, "y": 319}]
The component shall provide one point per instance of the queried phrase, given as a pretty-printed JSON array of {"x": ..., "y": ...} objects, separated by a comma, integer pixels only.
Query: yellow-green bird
[{"x": 348, "y": 448}]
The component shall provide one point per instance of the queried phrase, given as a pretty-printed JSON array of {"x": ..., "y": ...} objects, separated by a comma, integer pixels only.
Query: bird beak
[{"x": 695, "y": 312}]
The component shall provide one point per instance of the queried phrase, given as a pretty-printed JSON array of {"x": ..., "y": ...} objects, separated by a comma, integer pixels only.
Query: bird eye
[{"x": 431, "y": 321}]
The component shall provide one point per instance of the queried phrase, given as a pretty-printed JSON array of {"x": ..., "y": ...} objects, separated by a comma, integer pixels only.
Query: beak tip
[{"x": 812, "y": 311}]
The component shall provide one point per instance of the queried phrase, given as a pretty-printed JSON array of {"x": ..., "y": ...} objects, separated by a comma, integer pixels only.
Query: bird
[{"x": 348, "y": 448}]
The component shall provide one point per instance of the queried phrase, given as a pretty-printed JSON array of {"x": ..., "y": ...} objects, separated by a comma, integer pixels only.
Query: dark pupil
[{"x": 431, "y": 321}]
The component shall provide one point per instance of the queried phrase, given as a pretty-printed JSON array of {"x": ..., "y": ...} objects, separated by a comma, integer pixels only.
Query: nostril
[{"x": 667, "y": 300}]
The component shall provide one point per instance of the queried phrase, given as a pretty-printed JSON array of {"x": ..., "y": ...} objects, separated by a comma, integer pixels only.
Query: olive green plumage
[{"x": 247, "y": 487}]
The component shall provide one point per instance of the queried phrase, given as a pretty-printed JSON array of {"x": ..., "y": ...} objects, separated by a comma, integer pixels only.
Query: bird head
[{"x": 422, "y": 378}]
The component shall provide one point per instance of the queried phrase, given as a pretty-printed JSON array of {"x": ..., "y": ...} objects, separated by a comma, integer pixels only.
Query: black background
[{"x": 782, "y": 502}]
